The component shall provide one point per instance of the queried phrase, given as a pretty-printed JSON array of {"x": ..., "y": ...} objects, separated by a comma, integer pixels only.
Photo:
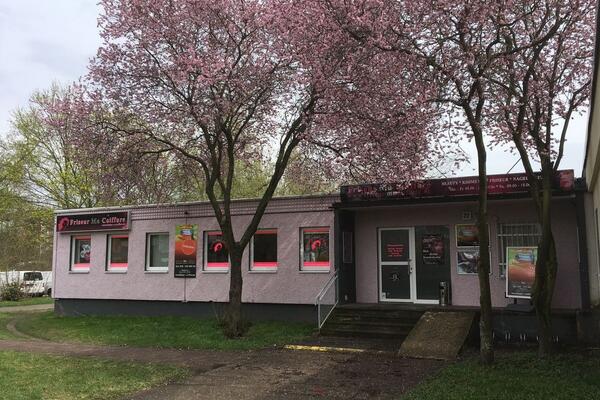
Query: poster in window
[
  {"x": 432, "y": 249},
  {"x": 467, "y": 261},
  {"x": 520, "y": 271},
  {"x": 217, "y": 254},
  {"x": 315, "y": 247},
  {"x": 186, "y": 240},
  {"x": 395, "y": 245},
  {"x": 467, "y": 235}
]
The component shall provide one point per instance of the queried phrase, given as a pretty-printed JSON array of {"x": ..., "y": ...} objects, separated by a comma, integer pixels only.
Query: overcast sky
[{"x": 45, "y": 41}]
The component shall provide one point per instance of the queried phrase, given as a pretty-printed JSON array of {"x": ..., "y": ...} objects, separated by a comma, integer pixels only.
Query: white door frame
[{"x": 411, "y": 265}]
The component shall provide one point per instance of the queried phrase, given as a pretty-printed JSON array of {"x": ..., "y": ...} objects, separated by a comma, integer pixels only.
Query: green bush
[{"x": 11, "y": 292}]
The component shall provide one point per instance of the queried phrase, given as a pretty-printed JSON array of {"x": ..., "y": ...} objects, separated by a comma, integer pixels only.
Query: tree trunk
[
  {"x": 545, "y": 270},
  {"x": 233, "y": 323},
  {"x": 486, "y": 347}
]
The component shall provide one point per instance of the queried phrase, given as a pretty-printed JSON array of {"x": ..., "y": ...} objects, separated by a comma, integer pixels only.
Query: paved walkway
[{"x": 35, "y": 307}]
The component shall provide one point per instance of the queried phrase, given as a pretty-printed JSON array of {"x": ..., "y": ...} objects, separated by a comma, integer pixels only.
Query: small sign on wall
[{"x": 186, "y": 245}]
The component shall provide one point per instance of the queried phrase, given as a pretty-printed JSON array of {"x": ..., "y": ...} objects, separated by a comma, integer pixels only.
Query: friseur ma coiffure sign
[{"x": 102, "y": 221}]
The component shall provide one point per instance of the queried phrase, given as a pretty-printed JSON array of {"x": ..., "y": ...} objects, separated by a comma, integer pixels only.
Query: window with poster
[
  {"x": 216, "y": 255},
  {"x": 314, "y": 250},
  {"x": 117, "y": 250},
  {"x": 467, "y": 249},
  {"x": 263, "y": 256},
  {"x": 81, "y": 253},
  {"x": 516, "y": 235}
]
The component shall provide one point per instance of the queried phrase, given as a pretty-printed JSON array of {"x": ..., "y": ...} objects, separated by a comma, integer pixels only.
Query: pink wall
[
  {"x": 465, "y": 288},
  {"x": 287, "y": 285}
]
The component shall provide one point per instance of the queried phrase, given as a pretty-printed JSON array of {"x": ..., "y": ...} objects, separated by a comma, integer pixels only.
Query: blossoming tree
[
  {"x": 227, "y": 81},
  {"x": 537, "y": 89}
]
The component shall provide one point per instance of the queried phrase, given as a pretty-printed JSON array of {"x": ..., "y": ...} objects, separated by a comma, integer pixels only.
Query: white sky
[{"x": 45, "y": 41}]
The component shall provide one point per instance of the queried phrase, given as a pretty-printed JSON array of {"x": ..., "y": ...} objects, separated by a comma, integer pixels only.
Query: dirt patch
[
  {"x": 265, "y": 374},
  {"x": 282, "y": 374},
  {"x": 364, "y": 376}
]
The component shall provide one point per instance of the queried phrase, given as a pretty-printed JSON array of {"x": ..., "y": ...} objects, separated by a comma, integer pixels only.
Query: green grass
[
  {"x": 25, "y": 376},
  {"x": 176, "y": 332},
  {"x": 4, "y": 333},
  {"x": 516, "y": 376},
  {"x": 28, "y": 301}
]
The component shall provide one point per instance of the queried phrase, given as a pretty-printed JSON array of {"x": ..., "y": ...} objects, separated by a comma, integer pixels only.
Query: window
[
  {"x": 117, "y": 250},
  {"x": 157, "y": 252},
  {"x": 264, "y": 251},
  {"x": 315, "y": 249},
  {"x": 518, "y": 235},
  {"x": 216, "y": 255},
  {"x": 81, "y": 251},
  {"x": 32, "y": 276}
]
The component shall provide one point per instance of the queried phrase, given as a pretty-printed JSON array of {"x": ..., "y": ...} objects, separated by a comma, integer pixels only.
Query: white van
[{"x": 34, "y": 283}]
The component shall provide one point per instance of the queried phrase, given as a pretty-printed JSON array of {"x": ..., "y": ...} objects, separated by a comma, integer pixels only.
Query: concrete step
[
  {"x": 372, "y": 322},
  {"x": 353, "y": 331}
]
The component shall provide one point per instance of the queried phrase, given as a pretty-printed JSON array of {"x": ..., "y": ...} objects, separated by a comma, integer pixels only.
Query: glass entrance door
[{"x": 396, "y": 264}]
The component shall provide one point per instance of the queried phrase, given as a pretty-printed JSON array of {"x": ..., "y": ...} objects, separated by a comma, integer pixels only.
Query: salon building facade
[{"x": 379, "y": 244}]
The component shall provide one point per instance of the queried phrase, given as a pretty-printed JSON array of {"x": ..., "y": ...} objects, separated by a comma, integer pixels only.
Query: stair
[{"x": 374, "y": 321}]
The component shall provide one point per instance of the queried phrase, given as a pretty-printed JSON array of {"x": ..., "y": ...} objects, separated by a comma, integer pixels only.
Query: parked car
[{"x": 33, "y": 283}]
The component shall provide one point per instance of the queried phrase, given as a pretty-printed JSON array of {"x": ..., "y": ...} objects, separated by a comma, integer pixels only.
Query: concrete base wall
[
  {"x": 252, "y": 311},
  {"x": 514, "y": 325}
]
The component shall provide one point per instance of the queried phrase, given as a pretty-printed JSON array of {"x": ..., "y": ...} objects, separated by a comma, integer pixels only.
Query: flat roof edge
[{"x": 190, "y": 203}]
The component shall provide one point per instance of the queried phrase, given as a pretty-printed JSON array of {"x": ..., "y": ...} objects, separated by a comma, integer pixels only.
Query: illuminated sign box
[{"x": 450, "y": 187}]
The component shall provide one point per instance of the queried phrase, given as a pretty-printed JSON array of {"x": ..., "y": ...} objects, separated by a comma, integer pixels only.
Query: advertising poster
[
  {"x": 467, "y": 235},
  {"x": 186, "y": 244},
  {"x": 433, "y": 249},
  {"x": 395, "y": 245},
  {"x": 520, "y": 271},
  {"x": 467, "y": 261}
]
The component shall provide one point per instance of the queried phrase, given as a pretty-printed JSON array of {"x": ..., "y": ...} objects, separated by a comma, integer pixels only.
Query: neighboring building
[
  {"x": 591, "y": 172},
  {"x": 385, "y": 244}
]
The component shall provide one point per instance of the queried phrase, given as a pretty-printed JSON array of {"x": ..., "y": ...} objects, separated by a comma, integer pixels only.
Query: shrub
[{"x": 11, "y": 292}]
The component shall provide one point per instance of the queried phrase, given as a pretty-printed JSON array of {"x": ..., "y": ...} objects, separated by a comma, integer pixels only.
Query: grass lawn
[
  {"x": 4, "y": 333},
  {"x": 25, "y": 376},
  {"x": 516, "y": 375},
  {"x": 177, "y": 332},
  {"x": 28, "y": 301}
]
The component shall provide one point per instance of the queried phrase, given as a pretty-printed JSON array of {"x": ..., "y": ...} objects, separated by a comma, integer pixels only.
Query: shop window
[
  {"x": 516, "y": 235},
  {"x": 157, "y": 252},
  {"x": 216, "y": 255},
  {"x": 315, "y": 249},
  {"x": 467, "y": 249},
  {"x": 81, "y": 252},
  {"x": 117, "y": 250},
  {"x": 264, "y": 251}
]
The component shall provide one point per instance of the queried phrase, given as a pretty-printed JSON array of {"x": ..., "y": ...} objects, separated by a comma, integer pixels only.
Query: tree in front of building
[
  {"x": 538, "y": 88},
  {"x": 220, "y": 83}
]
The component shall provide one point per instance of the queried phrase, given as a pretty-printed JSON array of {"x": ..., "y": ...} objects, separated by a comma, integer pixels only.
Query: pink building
[{"x": 379, "y": 244}]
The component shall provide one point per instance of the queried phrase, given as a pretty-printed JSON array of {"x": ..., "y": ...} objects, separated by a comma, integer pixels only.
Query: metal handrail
[{"x": 332, "y": 282}]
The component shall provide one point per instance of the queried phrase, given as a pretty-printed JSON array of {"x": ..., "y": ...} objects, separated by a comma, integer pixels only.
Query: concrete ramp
[{"x": 438, "y": 335}]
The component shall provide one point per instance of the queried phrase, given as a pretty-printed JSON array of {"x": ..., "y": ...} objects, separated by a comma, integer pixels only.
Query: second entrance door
[{"x": 397, "y": 265}]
